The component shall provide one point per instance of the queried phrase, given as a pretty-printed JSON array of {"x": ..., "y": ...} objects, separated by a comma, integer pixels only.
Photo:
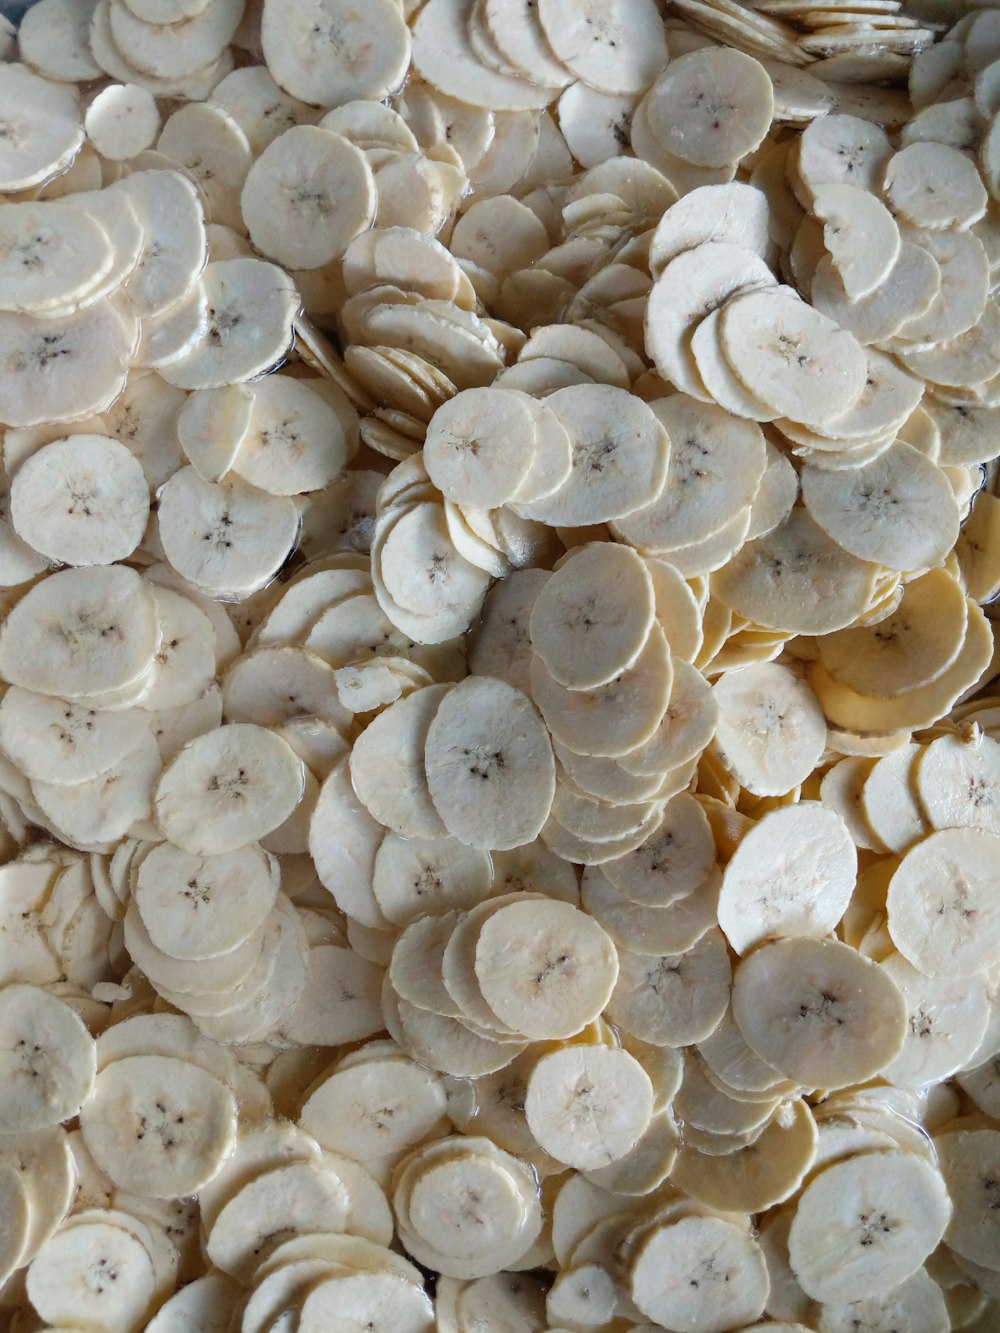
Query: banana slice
[
  {"x": 343, "y": 842},
  {"x": 932, "y": 185},
  {"x": 673, "y": 861},
  {"x": 227, "y": 788},
  {"x": 48, "y": 1057},
  {"x": 940, "y": 911},
  {"x": 294, "y": 442},
  {"x": 415, "y": 876},
  {"x": 59, "y": 741},
  {"x": 968, "y": 1158},
  {"x": 711, "y": 107},
  {"x": 956, "y": 782},
  {"x": 672, "y": 1000},
  {"x": 947, "y": 1022},
  {"x": 653, "y": 931},
  {"x": 500, "y": 644},
  {"x": 44, "y": 129},
  {"x": 327, "y": 57},
  {"x": 613, "y": 48},
  {"x": 788, "y": 732},
  {"x": 340, "y": 1002},
  {"x": 95, "y": 1271},
  {"x": 207, "y": 1302},
  {"x": 488, "y": 762},
  {"x": 917, "y": 1303},
  {"x": 698, "y": 1272},
  {"x": 374, "y": 1299},
  {"x": 122, "y": 121},
  {"x": 840, "y": 149},
  {"x": 15, "y": 1226},
  {"x": 792, "y": 875},
  {"x": 103, "y": 809},
  {"x": 734, "y": 213},
  {"x": 387, "y": 765},
  {"x": 52, "y": 254},
  {"x": 479, "y": 447},
  {"x": 835, "y": 1019},
  {"x": 588, "y": 1106},
  {"x": 866, "y": 1224},
  {"x": 184, "y": 668}
]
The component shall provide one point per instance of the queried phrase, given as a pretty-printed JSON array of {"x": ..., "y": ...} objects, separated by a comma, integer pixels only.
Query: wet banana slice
[
  {"x": 227, "y": 788},
  {"x": 327, "y": 56},
  {"x": 734, "y": 213},
  {"x": 672, "y": 862},
  {"x": 209, "y": 1301},
  {"x": 698, "y": 1271},
  {"x": 841, "y": 149},
  {"x": 343, "y": 842},
  {"x": 59, "y": 741},
  {"x": 159, "y": 1125},
  {"x": 968, "y": 1159},
  {"x": 588, "y": 1106},
  {"x": 860, "y": 235},
  {"x": 941, "y": 913},
  {"x": 834, "y": 1019},
  {"x": 792, "y": 875},
  {"x": 387, "y": 765},
  {"x": 48, "y": 1058},
  {"x": 96, "y": 1271},
  {"x": 919, "y": 1302},
  {"x": 675, "y": 999},
  {"x": 15, "y": 1226},
  {"x": 122, "y": 121},
  {"x": 932, "y": 185},
  {"x": 788, "y": 731},
  {"x": 711, "y": 107},
  {"x": 947, "y": 1021},
  {"x": 866, "y": 1224},
  {"x": 294, "y": 441},
  {"x": 615, "y": 48}
]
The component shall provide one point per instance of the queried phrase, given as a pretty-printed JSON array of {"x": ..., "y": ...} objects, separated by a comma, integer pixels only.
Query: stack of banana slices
[{"x": 499, "y": 756}]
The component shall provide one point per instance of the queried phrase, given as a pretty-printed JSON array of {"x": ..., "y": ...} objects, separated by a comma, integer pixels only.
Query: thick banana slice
[
  {"x": 489, "y": 765},
  {"x": 941, "y": 910},
  {"x": 711, "y": 107},
  {"x": 588, "y": 1106},
  {"x": 865, "y": 1224},
  {"x": 673, "y": 1000},
  {"x": 957, "y": 782},
  {"x": 792, "y": 875},
  {"x": 227, "y": 788},
  {"x": 833, "y": 1019},
  {"x": 159, "y": 1126},
  {"x": 48, "y": 1059},
  {"x": 81, "y": 632},
  {"x": 771, "y": 729},
  {"x": 544, "y": 968},
  {"x": 700, "y": 1273},
  {"x": 95, "y": 1271}
]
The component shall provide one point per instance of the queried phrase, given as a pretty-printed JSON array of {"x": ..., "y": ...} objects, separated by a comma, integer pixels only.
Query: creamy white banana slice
[
  {"x": 711, "y": 107},
  {"x": 967, "y": 1159},
  {"x": 227, "y": 788},
  {"x": 787, "y": 735},
  {"x": 907, "y": 292},
  {"x": 122, "y": 121},
  {"x": 614, "y": 48},
  {"x": 588, "y": 1106},
  {"x": 294, "y": 442},
  {"x": 413, "y": 876},
  {"x": 673, "y": 999},
  {"x": 674, "y": 860},
  {"x": 865, "y": 1224},
  {"x": 45, "y": 1162},
  {"x": 917, "y": 1303},
  {"x": 328, "y": 56},
  {"x": 44, "y": 130},
  {"x": 479, "y": 446},
  {"x": 95, "y": 1270},
  {"x": 835, "y": 1019},
  {"x": 698, "y": 1271},
  {"x": 51, "y": 254},
  {"x": 860, "y": 235},
  {"x": 651, "y": 931},
  {"x": 343, "y": 842},
  {"x": 207, "y": 1302},
  {"x": 103, "y": 808},
  {"x": 275, "y": 685},
  {"x": 212, "y": 425},
  {"x": 375, "y": 1299},
  {"x": 15, "y": 1227},
  {"x": 840, "y": 149},
  {"x": 947, "y": 1021},
  {"x": 933, "y": 185},
  {"x": 734, "y": 213},
  {"x": 956, "y": 781},
  {"x": 62, "y": 742},
  {"x": 387, "y": 765},
  {"x": 340, "y": 1002},
  {"x": 48, "y": 1059},
  {"x": 544, "y": 968},
  {"x": 376, "y": 1109}
]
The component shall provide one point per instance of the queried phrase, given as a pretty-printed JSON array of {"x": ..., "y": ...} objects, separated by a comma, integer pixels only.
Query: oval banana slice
[
  {"x": 588, "y": 1106},
  {"x": 698, "y": 1272},
  {"x": 956, "y": 782},
  {"x": 834, "y": 1019},
  {"x": 387, "y": 765},
  {"x": 48, "y": 1058},
  {"x": 787, "y": 732},
  {"x": 968, "y": 1159},
  {"x": 326, "y": 56},
  {"x": 64, "y": 742},
  {"x": 96, "y": 1271},
  {"x": 674, "y": 999},
  {"x": 711, "y": 107},
  {"x": 616, "y": 48}
]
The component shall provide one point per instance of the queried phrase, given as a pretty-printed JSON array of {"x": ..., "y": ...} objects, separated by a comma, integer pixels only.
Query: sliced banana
[
  {"x": 968, "y": 1159},
  {"x": 59, "y": 741},
  {"x": 947, "y": 1022},
  {"x": 327, "y": 57},
  {"x": 96, "y": 1271},
  {"x": 653, "y": 931},
  {"x": 932, "y": 185},
  {"x": 387, "y": 765},
  {"x": 674, "y": 999},
  {"x": 735, "y": 213},
  {"x": 48, "y": 1058},
  {"x": 786, "y": 735},
  {"x": 956, "y": 782},
  {"x": 711, "y": 107},
  {"x": 588, "y": 1106},
  {"x": 228, "y": 787},
  {"x": 860, "y": 235},
  {"x": 343, "y": 842},
  {"x": 672, "y": 862},
  {"x": 614, "y": 48}
]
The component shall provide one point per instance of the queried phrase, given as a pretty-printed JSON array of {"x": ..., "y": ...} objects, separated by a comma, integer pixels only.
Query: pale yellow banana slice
[
  {"x": 48, "y": 1058},
  {"x": 956, "y": 782},
  {"x": 374, "y": 1110},
  {"x": 947, "y": 1022},
  {"x": 615, "y": 48},
  {"x": 711, "y": 107},
  {"x": 676, "y": 999},
  {"x": 652, "y": 931},
  {"x": 735, "y": 213},
  {"x": 588, "y": 1106},
  {"x": 97, "y": 1271},
  {"x": 343, "y": 842},
  {"x": 388, "y": 770},
  {"x": 787, "y": 734},
  {"x": 673, "y": 861}
]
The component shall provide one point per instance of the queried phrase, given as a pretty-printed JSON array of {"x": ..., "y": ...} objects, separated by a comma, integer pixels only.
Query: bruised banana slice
[
  {"x": 227, "y": 788},
  {"x": 588, "y": 1106},
  {"x": 159, "y": 1126},
  {"x": 818, "y": 1012},
  {"x": 47, "y": 1056}
]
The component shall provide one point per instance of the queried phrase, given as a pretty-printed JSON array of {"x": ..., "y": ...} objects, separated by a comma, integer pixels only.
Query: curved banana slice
[
  {"x": 500, "y": 644},
  {"x": 47, "y": 1057},
  {"x": 700, "y": 1273},
  {"x": 958, "y": 781},
  {"x": 15, "y": 1219},
  {"x": 96, "y": 1271},
  {"x": 833, "y": 1019},
  {"x": 786, "y": 733},
  {"x": 674, "y": 999},
  {"x": 544, "y": 968},
  {"x": 588, "y": 1106},
  {"x": 159, "y": 1126},
  {"x": 733, "y": 212},
  {"x": 865, "y": 1224},
  {"x": 932, "y": 185},
  {"x": 942, "y": 913},
  {"x": 45, "y": 1162},
  {"x": 859, "y": 233},
  {"x": 792, "y": 875},
  {"x": 227, "y": 788},
  {"x": 489, "y": 766}
]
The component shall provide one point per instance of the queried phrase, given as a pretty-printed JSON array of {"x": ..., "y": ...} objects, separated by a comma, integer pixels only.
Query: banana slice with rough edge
[
  {"x": 834, "y": 1019},
  {"x": 48, "y": 1059},
  {"x": 588, "y": 1106},
  {"x": 947, "y": 1022}
]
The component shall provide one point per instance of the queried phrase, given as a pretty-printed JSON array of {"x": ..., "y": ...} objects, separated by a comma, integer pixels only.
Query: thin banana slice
[
  {"x": 918, "y": 1303},
  {"x": 15, "y": 1226},
  {"x": 95, "y": 1271},
  {"x": 941, "y": 912},
  {"x": 651, "y": 931},
  {"x": 735, "y": 213},
  {"x": 674, "y": 999},
  {"x": 792, "y": 875},
  {"x": 711, "y": 107},
  {"x": 932, "y": 185},
  {"x": 956, "y": 782},
  {"x": 374, "y": 1110},
  {"x": 44, "y": 129},
  {"x": 103, "y": 809},
  {"x": 227, "y": 788},
  {"x": 58, "y": 741},
  {"x": 947, "y": 1022},
  {"x": 479, "y": 447},
  {"x": 968, "y": 1159},
  {"x": 866, "y": 1224},
  {"x": 388, "y": 769},
  {"x": 51, "y": 254},
  {"x": 859, "y": 233},
  {"x": 122, "y": 121},
  {"x": 833, "y": 1019},
  {"x": 489, "y": 768},
  {"x": 48, "y": 1057},
  {"x": 672, "y": 862},
  {"x": 787, "y": 733},
  {"x": 841, "y": 149},
  {"x": 326, "y": 55},
  {"x": 207, "y": 1302},
  {"x": 588, "y": 1106},
  {"x": 614, "y": 48}
]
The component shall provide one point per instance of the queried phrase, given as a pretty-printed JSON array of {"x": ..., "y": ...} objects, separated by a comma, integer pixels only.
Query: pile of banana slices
[{"x": 499, "y": 750}]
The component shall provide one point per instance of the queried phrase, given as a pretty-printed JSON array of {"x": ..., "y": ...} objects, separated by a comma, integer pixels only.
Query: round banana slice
[
  {"x": 388, "y": 770},
  {"x": 228, "y": 788},
  {"x": 371, "y": 1298},
  {"x": 414, "y": 876},
  {"x": 103, "y": 808},
  {"x": 841, "y": 149},
  {"x": 957, "y": 782},
  {"x": 947, "y": 1022},
  {"x": 865, "y": 1224},
  {"x": 919, "y": 1303},
  {"x": 159, "y": 1126},
  {"x": 907, "y": 292},
  {"x": 672, "y": 862},
  {"x": 325, "y": 54},
  {"x": 796, "y": 579},
  {"x": 479, "y": 447},
  {"x": 931, "y": 185},
  {"x": 422, "y": 573},
  {"x": 711, "y": 107},
  {"x": 619, "y": 457},
  {"x": 699, "y": 1273},
  {"x": 489, "y": 766},
  {"x": 791, "y": 357},
  {"x": 834, "y": 1018},
  {"x": 343, "y": 842},
  {"x": 544, "y": 968},
  {"x": 651, "y": 931},
  {"x": 294, "y": 441},
  {"x": 15, "y": 1219},
  {"x": 51, "y": 254},
  {"x": 57, "y": 741},
  {"x": 81, "y": 501},
  {"x": 960, "y": 301},
  {"x": 44, "y": 130},
  {"x": 307, "y": 196},
  {"x": 197, "y": 907},
  {"x": 968, "y": 1160},
  {"x": 48, "y": 1058},
  {"x": 374, "y": 1110},
  {"x": 614, "y": 48},
  {"x": 792, "y": 875},
  {"x": 169, "y": 211},
  {"x": 897, "y": 510},
  {"x": 588, "y": 1106},
  {"x": 787, "y": 731},
  {"x": 941, "y": 911},
  {"x": 122, "y": 121},
  {"x": 889, "y": 800},
  {"x": 95, "y": 1271},
  {"x": 228, "y": 538},
  {"x": 674, "y": 999}
]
